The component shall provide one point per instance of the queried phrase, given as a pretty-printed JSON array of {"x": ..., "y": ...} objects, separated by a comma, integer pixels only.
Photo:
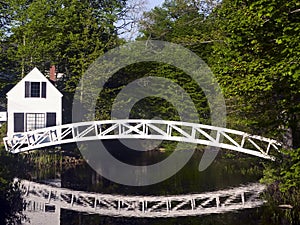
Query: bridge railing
[{"x": 143, "y": 129}]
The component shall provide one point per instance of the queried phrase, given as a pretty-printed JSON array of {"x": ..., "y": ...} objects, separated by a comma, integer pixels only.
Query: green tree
[
  {"x": 258, "y": 65},
  {"x": 183, "y": 22},
  {"x": 69, "y": 34}
]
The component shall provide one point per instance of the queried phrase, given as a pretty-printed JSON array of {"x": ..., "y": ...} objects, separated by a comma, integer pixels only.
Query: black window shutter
[
  {"x": 27, "y": 88},
  {"x": 44, "y": 89},
  {"x": 51, "y": 119},
  {"x": 18, "y": 122}
]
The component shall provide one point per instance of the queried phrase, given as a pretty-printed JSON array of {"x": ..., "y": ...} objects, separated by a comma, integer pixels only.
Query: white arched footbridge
[
  {"x": 40, "y": 197},
  {"x": 143, "y": 129}
]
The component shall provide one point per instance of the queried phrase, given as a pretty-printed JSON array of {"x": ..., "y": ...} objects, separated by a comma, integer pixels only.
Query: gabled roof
[{"x": 33, "y": 75}]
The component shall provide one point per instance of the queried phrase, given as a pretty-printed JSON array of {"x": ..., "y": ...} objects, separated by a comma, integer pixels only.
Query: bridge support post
[
  {"x": 119, "y": 205},
  {"x": 243, "y": 198},
  {"x": 49, "y": 197},
  {"x": 218, "y": 201},
  {"x": 143, "y": 206},
  {"x": 193, "y": 204},
  {"x": 167, "y": 203},
  {"x": 72, "y": 200},
  {"x": 95, "y": 204}
]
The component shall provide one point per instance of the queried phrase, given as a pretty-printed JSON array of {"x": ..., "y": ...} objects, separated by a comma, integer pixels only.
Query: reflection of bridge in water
[
  {"x": 46, "y": 198},
  {"x": 143, "y": 129}
]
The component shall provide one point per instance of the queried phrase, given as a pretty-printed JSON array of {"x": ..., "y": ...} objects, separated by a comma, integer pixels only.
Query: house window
[
  {"x": 32, "y": 121},
  {"x": 35, "y": 121},
  {"x": 51, "y": 119},
  {"x": 35, "y": 89}
]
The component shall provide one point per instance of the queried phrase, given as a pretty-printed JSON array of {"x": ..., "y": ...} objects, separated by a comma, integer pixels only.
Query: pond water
[{"x": 224, "y": 173}]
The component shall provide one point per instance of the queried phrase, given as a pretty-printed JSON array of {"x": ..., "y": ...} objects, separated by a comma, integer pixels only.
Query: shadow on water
[
  {"x": 247, "y": 217},
  {"x": 223, "y": 173}
]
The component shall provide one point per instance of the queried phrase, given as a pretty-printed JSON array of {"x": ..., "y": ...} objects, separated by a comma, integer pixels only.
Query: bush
[
  {"x": 283, "y": 179},
  {"x": 2, "y": 134}
]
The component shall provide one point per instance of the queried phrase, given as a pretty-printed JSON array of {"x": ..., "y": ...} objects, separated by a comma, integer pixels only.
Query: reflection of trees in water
[{"x": 10, "y": 195}]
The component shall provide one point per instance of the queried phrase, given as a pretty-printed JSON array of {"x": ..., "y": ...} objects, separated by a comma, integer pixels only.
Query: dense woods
[{"x": 252, "y": 46}]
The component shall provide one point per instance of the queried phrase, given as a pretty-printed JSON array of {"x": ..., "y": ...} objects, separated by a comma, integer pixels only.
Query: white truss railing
[
  {"x": 244, "y": 197},
  {"x": 143, "y": 129}
]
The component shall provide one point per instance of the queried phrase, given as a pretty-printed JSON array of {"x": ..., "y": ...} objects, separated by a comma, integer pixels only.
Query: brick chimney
[{"x": 52, "y": 74}]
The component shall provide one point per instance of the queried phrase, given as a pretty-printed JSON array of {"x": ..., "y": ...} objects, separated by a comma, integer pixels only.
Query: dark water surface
[{"x": 225, "y": 172}]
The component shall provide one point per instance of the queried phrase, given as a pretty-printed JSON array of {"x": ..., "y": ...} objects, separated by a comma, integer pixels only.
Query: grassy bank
[{"x": 283, "y": 193}]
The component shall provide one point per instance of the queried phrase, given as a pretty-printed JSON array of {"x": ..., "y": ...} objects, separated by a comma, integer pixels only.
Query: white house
[{"x": 33, "y": 103}]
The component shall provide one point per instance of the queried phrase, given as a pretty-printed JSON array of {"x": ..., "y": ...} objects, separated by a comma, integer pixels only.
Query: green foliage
[
  {"x": 174, "y": 19},
  {"x": 69, "y": 34},
  {"x": 3, "y": 131},
  {"x": 185, "y": 22},
  {"x": 253, "y": 49},
  {"x": 2, "y": 135},
  {"x": 10, "y": 195},
  {"x": 283, "y": 179},
  {"x": 291, "y": 174},
  {"x": 182, "y": 22},
  {"x": 285, "y": 172},
  {"x": 258, "y": 64},
  {"x": 281, "y": 207}
]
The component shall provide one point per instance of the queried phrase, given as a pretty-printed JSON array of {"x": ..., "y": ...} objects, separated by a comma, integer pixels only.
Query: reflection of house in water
[
  {"x": 39, "y": 212},
  {"x": 33, "y": 103}
]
